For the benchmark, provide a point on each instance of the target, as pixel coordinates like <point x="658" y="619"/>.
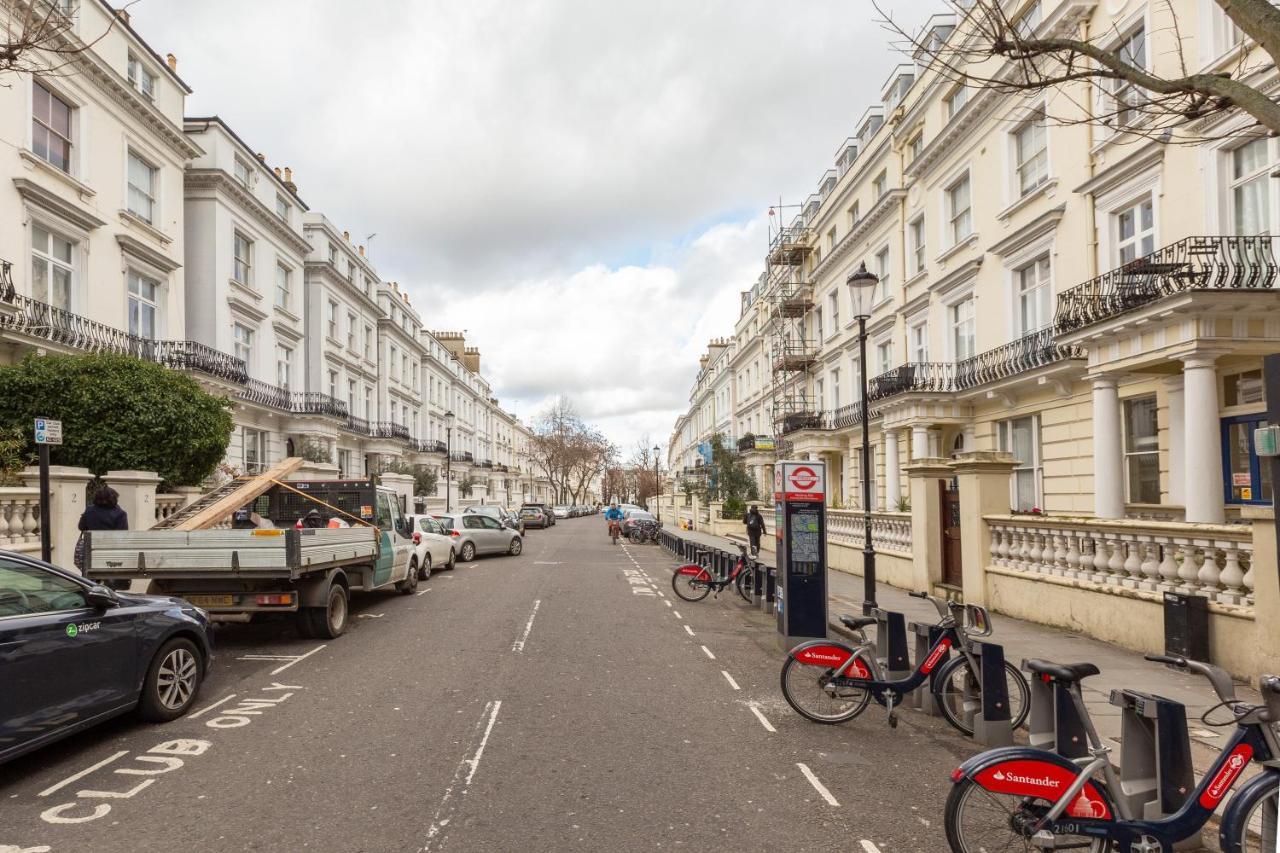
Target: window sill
<point x="286" y="313"/>
<point x="957" y="248"/>
<point x="244" y="289"/>
<point x="135" y="221"/>
<point x="1042" y="190"/>
<point x="48" y="168"/>
<point x="920" y="276"/>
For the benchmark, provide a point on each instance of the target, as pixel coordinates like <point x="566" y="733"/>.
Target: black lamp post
<point x="862" y="285"/>
<point x="448" y="460"/>
<point x="657" y="484"/>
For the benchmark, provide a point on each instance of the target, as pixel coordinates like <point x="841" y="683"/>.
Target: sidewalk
<point x="1119" y="667"/>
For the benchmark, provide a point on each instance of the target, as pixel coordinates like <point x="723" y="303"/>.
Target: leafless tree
<point x="569" y="452"/>
<point x="1101" y="78"/>
<point x="38" y="37"/>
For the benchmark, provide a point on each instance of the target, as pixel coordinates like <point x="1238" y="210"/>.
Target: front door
<point x="1247" y="479"/>
<point x="951" y="571"/>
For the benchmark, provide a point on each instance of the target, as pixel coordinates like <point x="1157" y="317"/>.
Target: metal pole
<point x="448" y="470"/>
<point x="1271" y="387"/>
<point x="868" y="550"/>
<point x="657" y="487"/>
<point x="46" y="534"/>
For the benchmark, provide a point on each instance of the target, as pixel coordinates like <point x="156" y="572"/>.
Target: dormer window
<point x="141" y="78"/>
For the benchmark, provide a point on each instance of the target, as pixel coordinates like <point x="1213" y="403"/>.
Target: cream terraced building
<point x="1091" y="302"/>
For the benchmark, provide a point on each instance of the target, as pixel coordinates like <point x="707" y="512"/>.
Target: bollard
<point x="992" y="723"/>
<point x="891" y="644"/>
<point x="758" y="572"/>
<point x="923" y="698"/>
<point x="770" y="590"/>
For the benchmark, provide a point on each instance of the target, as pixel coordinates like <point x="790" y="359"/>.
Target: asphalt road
<point x="560" y="700"/>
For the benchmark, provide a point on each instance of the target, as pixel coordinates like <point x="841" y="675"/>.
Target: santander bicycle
<point x="830" y="682"/>
<point x="1020" y="798"/>
<point x="695" y="581"/>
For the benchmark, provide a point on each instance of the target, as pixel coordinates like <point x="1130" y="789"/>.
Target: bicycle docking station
<point x="1054" y="722"/>
<point x="800" y="588"/>
<point x="891" y="643"/>
<point x="992" y="722"/>
<point x="922" y="698"/>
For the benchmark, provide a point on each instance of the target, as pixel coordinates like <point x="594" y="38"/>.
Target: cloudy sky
<point x="580" y="185"/>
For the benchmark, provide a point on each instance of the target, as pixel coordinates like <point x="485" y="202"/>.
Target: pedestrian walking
<point x="755" y="528"/>
<point x="103" y="514"/>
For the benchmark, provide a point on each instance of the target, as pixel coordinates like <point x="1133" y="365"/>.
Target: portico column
<point x="1108" y="482"/>
<point x="892" y="471"/>
<point x="1202" y="466"/>
<point x="1177" y="444"/>
<point x="919" y="442"/>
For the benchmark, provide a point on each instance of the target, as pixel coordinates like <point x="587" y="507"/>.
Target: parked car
<point x="434" y="548"/>
<point x="532" y="516"/>
<point x="546" y="510"/>
<point x="560" y="511"/>
<point x="74" y="653"/>
<point x="504" y="517"/>
<point x="474" y="534"/>
<point x="634" y="518"/>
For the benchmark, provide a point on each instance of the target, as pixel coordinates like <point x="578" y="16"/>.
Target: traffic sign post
<point x="47" y="432"/>
<point x="801" y="528"/>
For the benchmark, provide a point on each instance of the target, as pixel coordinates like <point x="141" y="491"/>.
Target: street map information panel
<point x="806" y="544"/>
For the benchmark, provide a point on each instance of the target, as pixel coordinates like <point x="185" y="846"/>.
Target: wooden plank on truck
<point x="249" y="489"/>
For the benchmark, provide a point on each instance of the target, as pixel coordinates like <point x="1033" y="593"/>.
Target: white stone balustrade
<point x="1214" y="560"/>
<point x="890" y="531"/>
<point x="20" y="519"/>
<point x="167" y="505"/>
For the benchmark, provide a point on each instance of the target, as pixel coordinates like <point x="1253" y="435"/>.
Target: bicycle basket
<point x="977" y="621"/>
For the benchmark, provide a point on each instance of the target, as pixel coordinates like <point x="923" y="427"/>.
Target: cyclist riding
<point x="614" y="517"/>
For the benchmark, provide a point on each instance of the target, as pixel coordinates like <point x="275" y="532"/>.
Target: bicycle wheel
<point x="978" y="820"/>
<point x="742" y="583"/>
<point x="805" y="687"/>
<point x="960" y="698"/>
<point x="691" y="587"/>
<point x="1259" y="830"/>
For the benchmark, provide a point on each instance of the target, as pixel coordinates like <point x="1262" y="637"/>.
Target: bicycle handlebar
<point x="1269" y="685"/>
<point x="1218" y="678"/>
<point x="943" y="606"/>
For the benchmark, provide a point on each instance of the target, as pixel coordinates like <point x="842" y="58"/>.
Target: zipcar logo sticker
<point x="804" y="478"/>
<point x="74" y="630"/>
<point x="1231" y="769"/>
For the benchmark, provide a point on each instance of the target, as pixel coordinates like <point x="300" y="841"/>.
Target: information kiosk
<point x="799" y="492"/>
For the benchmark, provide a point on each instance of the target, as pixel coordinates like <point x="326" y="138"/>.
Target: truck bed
<point x="259" y="554"/>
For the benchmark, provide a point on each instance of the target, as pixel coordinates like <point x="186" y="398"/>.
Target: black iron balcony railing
<point x="1038" y="349"/>
<point x="431" y="446"/>
<point x="912" y="376"/>
<point x="461" y="456"/>
<point x="794" y="421"/>
<point x="747" y="443"/>
<point x="357" y="425"/>
<point x="484" y="463"/>
<point x="389" y="429"/>
<point x="302" y="402"/>
<point x="57" y="326"/>
<point x="1196" y="263"/>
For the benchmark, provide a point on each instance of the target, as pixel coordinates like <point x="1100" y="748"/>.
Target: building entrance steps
<point x="1120" y="668"/>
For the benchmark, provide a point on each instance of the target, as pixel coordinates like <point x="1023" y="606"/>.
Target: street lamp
<point x="657" y="487"/>
<point x="449" y="420"/>
<point x="862" y="285"/>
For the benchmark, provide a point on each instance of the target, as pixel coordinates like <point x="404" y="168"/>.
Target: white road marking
<point x="424" y="592"/>
<point x="708" y="652"/>
<point x="689" y="631"/>
<point x="866" y="845"/>
<point x="676" y="612"/>
<point x="370" y="615"/>
<point x="729" y="678"/>
<point x="518" y="645"/>
<point x="83" y="773"/>
<point x="207" y="708"/>
<point x="831" y="801"/>
<point x="668" y="603"/>
<point x="444" y="811"/>
<point x="768" y="726"/>
<point x="281" y="669"/>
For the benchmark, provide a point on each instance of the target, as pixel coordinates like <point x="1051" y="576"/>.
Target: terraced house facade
<point x="130" y="227"/>
<point x="1091" y="301"/>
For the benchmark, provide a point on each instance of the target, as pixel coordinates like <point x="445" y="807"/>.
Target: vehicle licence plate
<point x="211" y="600"/>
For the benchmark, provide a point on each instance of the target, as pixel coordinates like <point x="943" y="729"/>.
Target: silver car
<point x="475" y="533"/>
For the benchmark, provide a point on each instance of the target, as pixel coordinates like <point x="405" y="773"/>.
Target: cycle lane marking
<point x="826" y="795"/>
<point x="768" y="726"/>
<point x="729" y="678"/>
<point x="518" y="645"/>
<point x="444" y="812"/>
<point x="870" y="846"/>
<point x="707" y="652"/>
<point x="676" y="612"/>
<point x="689" y="631"/>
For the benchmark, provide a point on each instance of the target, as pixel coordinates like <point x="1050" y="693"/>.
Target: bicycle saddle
<point x="857" y="623"/>
<point x="1065" y="672"/>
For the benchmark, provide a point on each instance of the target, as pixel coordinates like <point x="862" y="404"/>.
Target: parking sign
<point x="48" y="431"/>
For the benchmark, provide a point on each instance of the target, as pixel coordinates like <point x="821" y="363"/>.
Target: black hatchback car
<point x="74" y="653"/>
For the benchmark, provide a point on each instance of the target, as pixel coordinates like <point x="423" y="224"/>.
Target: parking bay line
<point x="424" y="592"/>
<point x="281" y="669"/>
<point x="831" y="801"/>
<point x="207" y="708"/>
<point x="518" y="645"/>
<point x="83" y="773"/>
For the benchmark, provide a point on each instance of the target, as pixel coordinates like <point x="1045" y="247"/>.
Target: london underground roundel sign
<point x="803" y="482"/>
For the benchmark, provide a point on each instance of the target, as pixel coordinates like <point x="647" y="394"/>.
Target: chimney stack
<point x="277" y="171"/>
<point x="123" y="14"/>
<point x="169" y="58"/>
<point x="288" y="180"/>
<point x="361" y="248"/>
<point x="346" y="235"/>
<point x="262" y="158"/>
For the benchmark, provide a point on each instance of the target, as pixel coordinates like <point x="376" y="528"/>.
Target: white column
<point x="892" y="471"/>
<point x="1177" y="445"/>
<point x="919" y="441"/>
<point x="970" y="438"/>
<point x="1108" y="478"/>
<point x="1202" y="468"/>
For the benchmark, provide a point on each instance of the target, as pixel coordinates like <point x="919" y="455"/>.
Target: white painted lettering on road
<point x="826" y="795"/>
<point x="518" y="645"/>
<point x="243" y="712"/>
<point x="160" y="759"/>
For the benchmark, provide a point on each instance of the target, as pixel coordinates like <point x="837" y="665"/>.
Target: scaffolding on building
<point x="793" y="347"/>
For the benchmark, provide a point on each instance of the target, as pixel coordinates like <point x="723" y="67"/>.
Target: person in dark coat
<point x="103" y="514"/>
<point x="755" y="528"/>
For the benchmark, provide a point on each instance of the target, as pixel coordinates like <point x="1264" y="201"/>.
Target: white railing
<point x="890" y="531"/>
<point x="167" y="505"/>
<point x="1214" y="560"/>
<point x="19" y="519"/>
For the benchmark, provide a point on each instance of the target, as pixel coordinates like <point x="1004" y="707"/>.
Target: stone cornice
<point x="958" y="276"/>
<point x="347" y="287"/>
<point x="1138" y="161"/>
<point x="136" y="248"/>
<point x="220" y="181"/>
<point x="35" y="194"/>
<point x="1033" y="230"/>
<point x="864" y="226"/>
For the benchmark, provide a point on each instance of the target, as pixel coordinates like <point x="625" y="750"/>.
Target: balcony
<point x="389" y="429"/>
<point x="790" y="246"/>
<point x="35" y="319"/>
<point x="795" y="357"/>
<point x="1193" y="264"/>
<point x="431" y="446"/>
<point x="461" y="456"/>
<point x="918" y="376"/>
<point x="484" y="463"/>
<point x="794" y="421"/>
<point x="360" y="426"/>
<point x="302" y="403"/>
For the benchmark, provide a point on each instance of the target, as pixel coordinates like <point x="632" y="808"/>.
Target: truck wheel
<point x="173" y="680"/>
<point x="410" y="583"/>
<point x="330" y="622"/>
